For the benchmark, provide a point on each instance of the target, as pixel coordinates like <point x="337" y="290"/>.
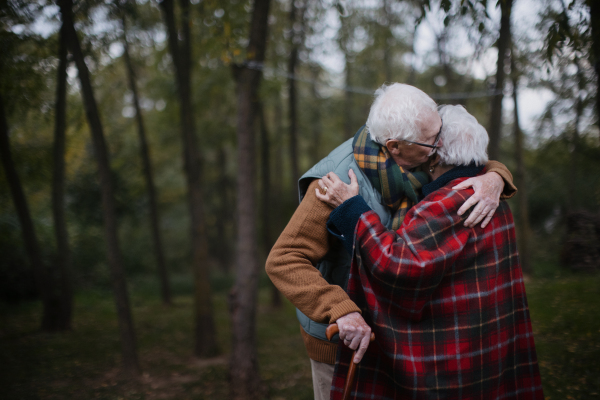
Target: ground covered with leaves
<point x="84" y="363"/>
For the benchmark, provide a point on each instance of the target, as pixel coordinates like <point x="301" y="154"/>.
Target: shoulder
<point x="340" y="158"/>
<point x="447" y="196"/>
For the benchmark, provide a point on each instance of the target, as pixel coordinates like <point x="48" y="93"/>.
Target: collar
<point x="461" y="171"/>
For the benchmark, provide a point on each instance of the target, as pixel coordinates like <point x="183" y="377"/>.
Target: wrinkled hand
<point x="355" y="333"/>
<point x="488" y="189"/>
<point x="334" y="192"/>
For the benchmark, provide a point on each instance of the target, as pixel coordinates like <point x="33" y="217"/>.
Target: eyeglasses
<point x="431" y="146"/>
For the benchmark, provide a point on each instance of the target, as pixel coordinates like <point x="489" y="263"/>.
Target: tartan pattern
<point x="447" y="305"/>
<point x="398" y="188"/>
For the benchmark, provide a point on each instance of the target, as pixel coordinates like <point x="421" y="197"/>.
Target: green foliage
<point x="372" y="41"/>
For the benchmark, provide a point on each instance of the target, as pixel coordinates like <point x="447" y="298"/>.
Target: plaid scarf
<point x="399" y="188"/>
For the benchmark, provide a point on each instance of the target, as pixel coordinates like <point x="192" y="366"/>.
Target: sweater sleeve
<point x="291" y="263"/>
<point x="509" y="188"/>
<point x="343" y="219"/>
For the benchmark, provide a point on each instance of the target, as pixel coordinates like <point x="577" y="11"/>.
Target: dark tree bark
<point x="317" y="128"/>
<point x="444" y="58"/>
<point x="243" y="297"/>
<point x="503" y="44"/>
<point x="222" y="251"/>
<point x="575" y="150"/>
<point x="520" y="179"/>
<point x="180" y="49"/>
<point x="279" y="191"/>
<point x="344" y="41"/>
<point x="412" y="74"/>
<point x="594" y="6"/>
<point x="63" y="251"/>
<point x="51" y="312"/>
<point x="148" y="175"/>
<point x="297" y="39"/>
<point x="349" y="126"/>
<point x="387" y="36"/>
<point x="267" y="201"/>
<point x="115" y="258"/>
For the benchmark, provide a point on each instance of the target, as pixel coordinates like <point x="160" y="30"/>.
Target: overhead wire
<point x="362" y="90"/>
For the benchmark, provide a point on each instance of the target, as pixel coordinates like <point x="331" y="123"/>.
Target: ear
<point x="393" y="146"/>
<point x="434" y="160"/>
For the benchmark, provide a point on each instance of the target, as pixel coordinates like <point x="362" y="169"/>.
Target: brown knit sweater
<point x="302" y="244"/>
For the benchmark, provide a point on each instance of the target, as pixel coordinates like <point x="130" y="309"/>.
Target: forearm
<point x="290" y="264"/>
<point x="509" y="188"/>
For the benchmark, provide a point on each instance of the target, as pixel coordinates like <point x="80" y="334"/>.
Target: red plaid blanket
<point x="447" y="305"/>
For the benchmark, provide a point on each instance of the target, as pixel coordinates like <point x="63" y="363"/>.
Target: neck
<point x="439" y="171"/>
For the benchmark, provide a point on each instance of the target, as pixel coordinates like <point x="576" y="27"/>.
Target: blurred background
<point x="150" y="152"/>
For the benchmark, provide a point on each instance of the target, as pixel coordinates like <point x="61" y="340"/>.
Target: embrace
<point x="401" y="231"/>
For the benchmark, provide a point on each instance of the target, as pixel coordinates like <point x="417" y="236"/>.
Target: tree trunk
<point x="594" y="6"/>
<point x="520" y="179"/>
<point x="412" y="75"/>
<point x="205" y="333"/>
<point x="503" y="43"/>
<point x="51" y="310"/>
<point x="349" y="126"/>
<point x="316" y="116"/>
<point x="63" y="251"/>
<point x="243" y="297"/>
<point x="223" y="250"/>
<point x="387" y="36"/>
<point x="279" y="190"/>
<point x="148" y="175"/>
<point x="267" y="203"/>
<point x="574" y="177"/>
<point x="296" y="16"/>
<point x="115" y="259"/>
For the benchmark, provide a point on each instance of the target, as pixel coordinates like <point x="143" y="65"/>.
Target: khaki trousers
<point x="322" y="376"/>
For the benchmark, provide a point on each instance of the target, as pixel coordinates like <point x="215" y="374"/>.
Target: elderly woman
<point x="446" y="302"/>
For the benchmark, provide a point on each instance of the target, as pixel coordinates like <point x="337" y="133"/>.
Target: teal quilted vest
<point x="335" y="266"/>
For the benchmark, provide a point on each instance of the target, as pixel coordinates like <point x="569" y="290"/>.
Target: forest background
<point x="150" y="152"/>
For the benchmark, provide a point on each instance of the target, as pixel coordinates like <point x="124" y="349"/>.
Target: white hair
<point x="464" y="140"/>
<point x="397" y="111"/>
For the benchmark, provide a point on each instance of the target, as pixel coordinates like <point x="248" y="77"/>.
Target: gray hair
<point x="464" y="140"/>
<point x="396" y="111"/>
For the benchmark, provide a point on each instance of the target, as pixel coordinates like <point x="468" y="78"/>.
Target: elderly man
<point x="384" y="168"/>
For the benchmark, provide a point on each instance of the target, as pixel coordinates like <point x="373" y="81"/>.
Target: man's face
<point x="410" y="155"/>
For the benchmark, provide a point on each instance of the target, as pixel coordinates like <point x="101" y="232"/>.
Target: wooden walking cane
<point x="330" y="332"/>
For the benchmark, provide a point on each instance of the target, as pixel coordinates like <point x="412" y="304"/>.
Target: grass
<point x="565" y="315"/>
<point x="84" y="363"/>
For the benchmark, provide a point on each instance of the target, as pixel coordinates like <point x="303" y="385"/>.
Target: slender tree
<point x="243" y="297"/>
<point x="386" y="14"/>
<point x="63" y="251"/>
<point x="594" y="7"/>
<point x="44" y="284"/>
<point x="345" y="41"/>
<point x="316" y="124"/>
<point x="180" y="49"/>
<point x="576" y="153"/>
<point x="503" y="45"/>
<point x="520" y="176"/>
<point x="267" y="200"/>
<point x="115" y="258"/>
<point x="163" y="276"/>
<point x="297" y="19"/>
